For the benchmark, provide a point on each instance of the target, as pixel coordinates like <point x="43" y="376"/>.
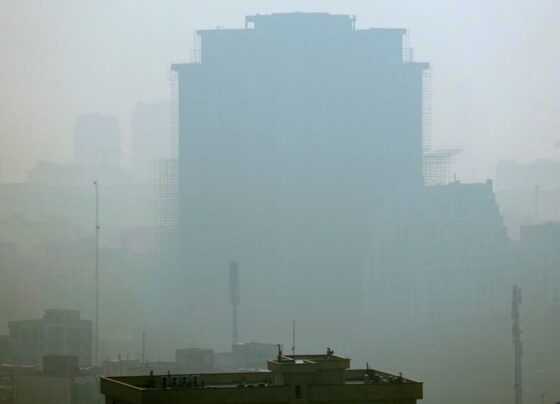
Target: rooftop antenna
<point x="143" y="346"/>
<point x="517" y="346"/>
<point x="97" y="227"/>
<point x="234" y="296"/>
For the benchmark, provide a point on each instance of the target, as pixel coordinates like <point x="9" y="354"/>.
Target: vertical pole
<point x="96" y="357"/>
<point x="235" y="325"/>
<point x="294" y="339"/>
<point x="143" y="346"/>
<point x="536" y="204"/>
<point x="234" y="297"/>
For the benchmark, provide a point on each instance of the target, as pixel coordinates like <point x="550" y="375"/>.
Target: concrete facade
<point x="291" y="131"/>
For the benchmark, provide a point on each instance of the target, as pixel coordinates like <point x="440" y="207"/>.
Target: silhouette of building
<point x="301" y="378"/>
<point x="150" y="138"/>
<point x="538" y="264"/>
<point x="194" y="360"/>
<point x="438" y="255"/>
<point x="97" y="142"/>
<point x="59" y="332"/>
<point x="47" y="173"/>
<point x="291" y="132"/>
<point x="59" y="382"/>
<point x="136" y="367"/>
<point x="252" y="355"/>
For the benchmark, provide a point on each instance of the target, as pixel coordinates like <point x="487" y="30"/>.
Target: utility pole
<point x="143" y="346"/>
<point x="517" y="346"/>
<point x="294" y="339"/>
<point x="96" y="357"/>
<point x="537" y="189"/>
<point x="234" y="297"/>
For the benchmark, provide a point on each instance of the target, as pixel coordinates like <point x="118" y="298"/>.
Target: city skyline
<point x="468" y="46"/>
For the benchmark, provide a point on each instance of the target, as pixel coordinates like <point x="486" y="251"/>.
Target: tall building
<point x="291" y="132"/>
<point x="97" y="142"/>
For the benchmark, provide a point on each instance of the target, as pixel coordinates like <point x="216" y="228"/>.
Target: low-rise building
<point x="61" y="381"/>
<point x="194" y="360"/>
<point x="252" y="355"/>
<point x="59" y="332"/>
<point x="300" y="378"/>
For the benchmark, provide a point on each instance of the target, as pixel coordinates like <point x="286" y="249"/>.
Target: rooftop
<point x="295" y="366"/>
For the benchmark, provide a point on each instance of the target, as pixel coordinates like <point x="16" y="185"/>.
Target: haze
<point x="381" y="178"/>
<point x="59" y="59"/>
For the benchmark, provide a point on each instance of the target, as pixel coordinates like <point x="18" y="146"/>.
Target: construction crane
<point x="517" y="346"/>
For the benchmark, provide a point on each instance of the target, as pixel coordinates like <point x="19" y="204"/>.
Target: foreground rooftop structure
<point x="300" y="378"/>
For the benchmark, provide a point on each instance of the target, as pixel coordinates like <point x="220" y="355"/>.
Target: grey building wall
<point x="290" y="133"/>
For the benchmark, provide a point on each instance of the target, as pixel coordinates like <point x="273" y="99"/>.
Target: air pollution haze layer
<point x="381" y="176"/>
<point x="495" y="86"/>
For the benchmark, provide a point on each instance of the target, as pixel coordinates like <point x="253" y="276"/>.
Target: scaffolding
<point x="174" y="112"/>
<point x="407" y="53"/>
<point x="437" y="166"/>
<point x="167" y="194"/>
<point x="167" y="171"/>
<point x="195" y="55"/>
<point x="426" y="111"/>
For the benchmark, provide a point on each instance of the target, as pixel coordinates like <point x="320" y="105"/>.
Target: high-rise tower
<point x="292" y="131"/>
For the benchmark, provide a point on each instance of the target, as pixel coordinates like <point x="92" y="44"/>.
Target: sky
<point x="495" y="64"/>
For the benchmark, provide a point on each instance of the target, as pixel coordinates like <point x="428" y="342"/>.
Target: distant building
<point x="291" y="132"/>
<point x="439" y="254"/>
<point x="59" y="332"/>
<point x="44" y="172"/>
<point x="538" y="263"/>
<point x="136" y="367"/>
<point x="72" y="175"/>
<point x="194" y="360"/>
<point x="150" y="138"/>
<point x="59" y="382"/>
<point x="97" y="142"/>
<point x="252" y="355"/>
<point x="528" y="193"/>
<point x="302" y="379"/>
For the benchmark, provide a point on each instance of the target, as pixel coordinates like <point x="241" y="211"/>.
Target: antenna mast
<point x="96" y="274"/>
<point x="517" y="346"/>
<point x="234" y="297"/>
<point x="537" y="204"/>
<point x="294" y="339"/>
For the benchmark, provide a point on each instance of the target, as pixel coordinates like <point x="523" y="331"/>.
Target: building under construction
<point x="290" y="129"/>
<point x="299" y="135"/>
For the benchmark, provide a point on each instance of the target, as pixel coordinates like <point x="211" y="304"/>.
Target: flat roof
<point x="242" y="379"/>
